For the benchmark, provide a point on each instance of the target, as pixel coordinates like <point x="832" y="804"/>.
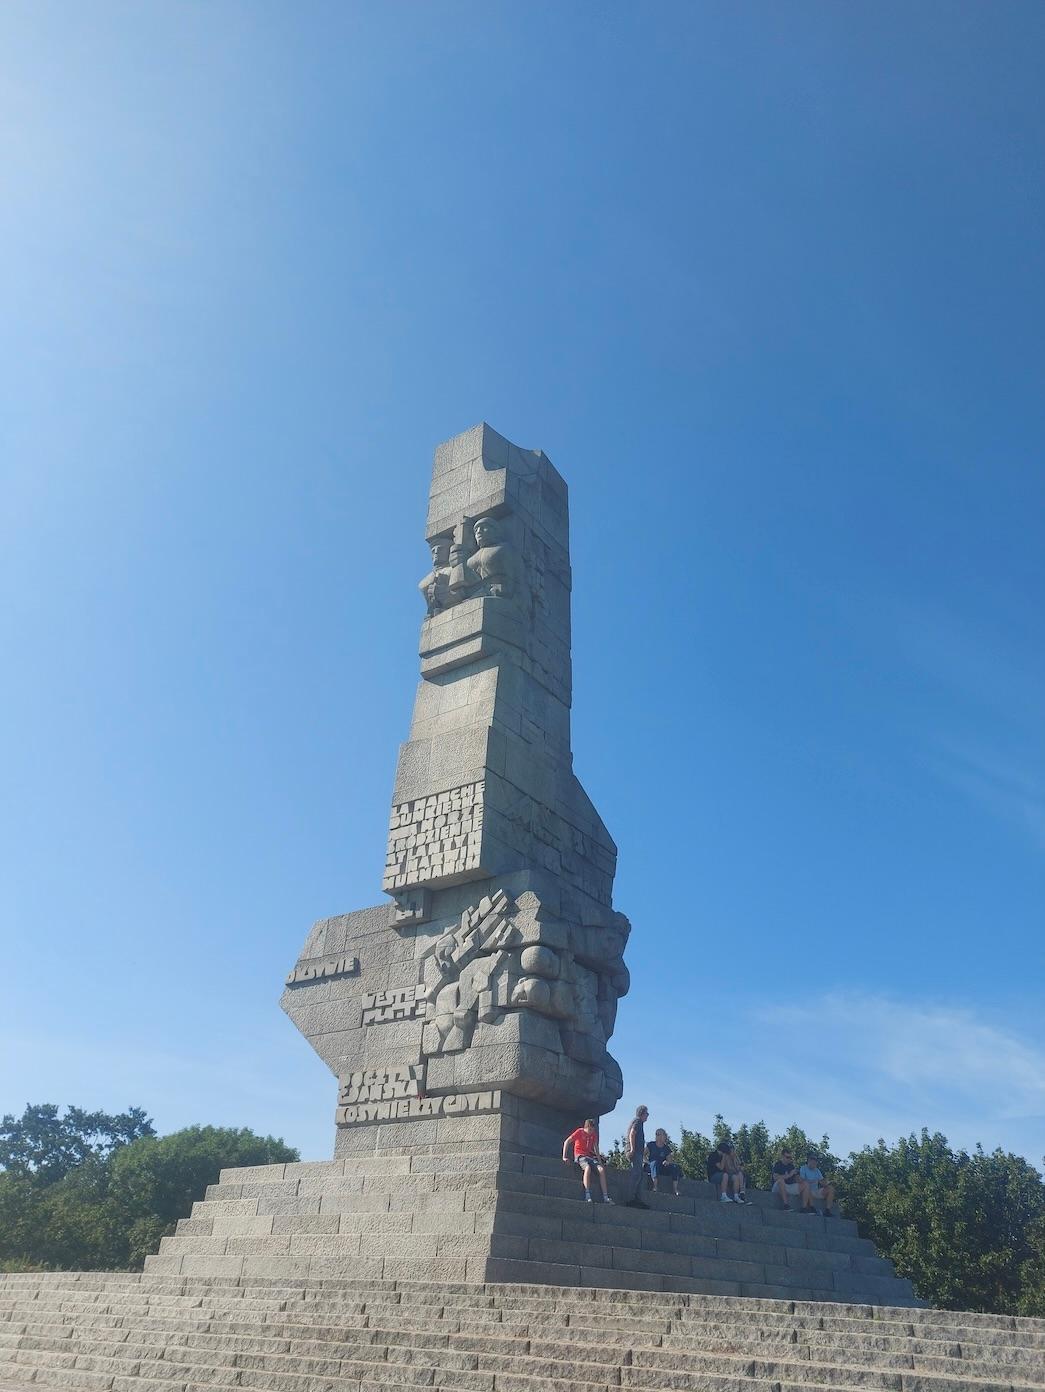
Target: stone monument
<point x="474" y="1005"/>
<point x="467" y="1016"/>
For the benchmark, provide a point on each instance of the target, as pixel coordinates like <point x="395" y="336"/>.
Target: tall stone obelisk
<point x="467" y="1016"/>
<point x="475" y="1006"/>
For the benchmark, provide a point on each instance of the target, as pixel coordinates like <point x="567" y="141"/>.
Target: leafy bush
<point x="88" y="1192"/>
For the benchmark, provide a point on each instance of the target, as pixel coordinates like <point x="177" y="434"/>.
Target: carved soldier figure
<point x="436" y="585"/>
<point x="491" y="570"/>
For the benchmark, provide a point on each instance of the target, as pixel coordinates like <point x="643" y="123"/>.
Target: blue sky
<point x="766" y="282"/>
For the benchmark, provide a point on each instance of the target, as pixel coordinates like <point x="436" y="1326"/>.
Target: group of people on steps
<point x="804" y="1182"/>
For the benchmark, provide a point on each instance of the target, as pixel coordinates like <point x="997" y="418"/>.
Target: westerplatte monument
<point x="465" y="1020"/>
<point x="466" y="1017"/>
<point x="484" y="986"/>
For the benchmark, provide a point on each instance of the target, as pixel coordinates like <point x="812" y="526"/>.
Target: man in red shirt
<point x="585" y="1142"/>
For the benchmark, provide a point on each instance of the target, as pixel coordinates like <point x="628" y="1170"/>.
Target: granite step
<point x="90" y="1288"/>
<point x="493" y="1338"/>
<point x="558" y="1182"/>
<point x="605" y="1342"/>
<point x="174" y="1364"/>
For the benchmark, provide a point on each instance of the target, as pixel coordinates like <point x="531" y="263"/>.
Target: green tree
<point x="1032" y="1273"/>
<point x="155" y="1181"/>
<point x="966" y="1228"/>
<point x="47" y="1146"/>
<point x="755" y="1147"/>
<point x="109" y="1210"/>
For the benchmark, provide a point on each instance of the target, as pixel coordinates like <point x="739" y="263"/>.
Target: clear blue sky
<point x="766" y="282"/>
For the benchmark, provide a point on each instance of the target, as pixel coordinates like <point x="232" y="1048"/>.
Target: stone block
<point x="662" y="1263"/>
<point x="258" y="1246"/>
<point x="240" y="1225"/>
<point x="245" y="1174"/>
<point x="282" y="1206"/>
<point x="503" y="1270"/>
<point x="721" y="1269"/>
<point x="305" y="1223"/>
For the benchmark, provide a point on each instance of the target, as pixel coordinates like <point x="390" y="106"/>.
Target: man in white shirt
<point x="815" y="1187"/>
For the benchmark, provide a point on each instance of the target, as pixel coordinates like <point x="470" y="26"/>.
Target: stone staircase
<point x="508" y="1216"/>
<point x="125" y="1333"/>
<point x="489" y="1273"/>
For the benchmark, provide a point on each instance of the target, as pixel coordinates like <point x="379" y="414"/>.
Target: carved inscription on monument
<point x="408" y="1108"/>
<point x="381" y="1084"/>
<point x="322" y="971"/>
<point x="382" y="1007"/>
<point x="435" y="837"/>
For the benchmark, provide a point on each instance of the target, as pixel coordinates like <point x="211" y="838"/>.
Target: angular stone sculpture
<point x="467" y="1016"/>
<point x="490" y="982"/>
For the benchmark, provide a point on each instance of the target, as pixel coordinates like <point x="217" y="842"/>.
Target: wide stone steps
<point x="356" y="1334"/>
<point x="183" y="1358"/>
<point x="437" y="1217"/>
<point x="135" y="1334"/>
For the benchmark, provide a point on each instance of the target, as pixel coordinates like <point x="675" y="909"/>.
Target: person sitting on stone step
<point x="724" y="1168"/>
<point x="786" y="1181"/>
<point x="585" y="1142"/>
<point x="816" y="1188"/>
<point x="658" y="1152"/>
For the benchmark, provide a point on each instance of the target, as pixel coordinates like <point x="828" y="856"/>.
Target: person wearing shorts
<point x="732" y="1173"/>
<point x="786" y="1179"/>
<point x="585" y="1142"/>
<point x="661" y="1163"/>
<point x="816" y="1188"/>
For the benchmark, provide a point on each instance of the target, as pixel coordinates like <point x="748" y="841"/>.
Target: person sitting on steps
<point x="661" y="1163"/>
<point x="585" y="1142"/>
<point x="786" y="1180"/>
<point x="812" y="1177"/>
<point x="724" y="1168"/>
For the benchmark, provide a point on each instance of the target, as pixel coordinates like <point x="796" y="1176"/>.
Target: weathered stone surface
<point x="497" y="967"/>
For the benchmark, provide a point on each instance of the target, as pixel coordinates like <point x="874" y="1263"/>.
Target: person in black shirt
<point x="786" y="1178"/>
<point x="661" y="1163"/>
<point x="724" y="1170"/>
<point x="636" y="1143"/>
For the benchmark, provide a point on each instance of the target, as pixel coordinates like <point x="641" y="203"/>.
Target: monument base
<point x="484" y="1211"/>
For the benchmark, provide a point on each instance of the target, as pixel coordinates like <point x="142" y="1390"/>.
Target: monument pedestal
<point x="481" y="1213"/>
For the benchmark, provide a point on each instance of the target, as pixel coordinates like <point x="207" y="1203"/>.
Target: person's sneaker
<point x="587" y="1198"/>
<point x="828" y="1213"/>
<point x="606" y="1198"/>
<point x="725" y="1198"/>
<point x="739" y="1198"/>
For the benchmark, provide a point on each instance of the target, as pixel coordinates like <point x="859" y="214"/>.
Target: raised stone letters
<point x="381" y="1084"/>
<point x="409" y="1108"/>
<point x="322" y="971"/>
<point x="435" y="837"/>
<point x="406" y="1003"/>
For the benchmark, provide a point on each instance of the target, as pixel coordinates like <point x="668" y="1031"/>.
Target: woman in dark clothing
<point x="658" y="1152"/>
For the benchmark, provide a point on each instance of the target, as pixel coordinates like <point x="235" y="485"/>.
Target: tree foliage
<point x="47" y="1146"/>
<point x="966" y="1228"/>
<point x="87" y="1191"/>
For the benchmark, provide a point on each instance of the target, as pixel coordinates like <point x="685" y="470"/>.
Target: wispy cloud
<point x="926" y="1052"/>
<point x="860" y="1066"/>
<point x="1006" y="786"/>
<point x="987" y="737"/>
